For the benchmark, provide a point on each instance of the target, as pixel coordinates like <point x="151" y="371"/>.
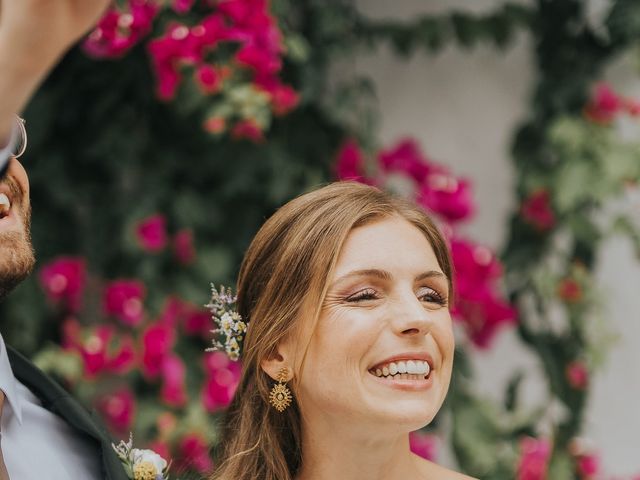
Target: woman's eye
<point x="431" y="296"/>
<point x="368" y="294"/>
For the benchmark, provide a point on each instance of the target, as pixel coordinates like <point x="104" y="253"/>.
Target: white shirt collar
<point x="8" y="382"/>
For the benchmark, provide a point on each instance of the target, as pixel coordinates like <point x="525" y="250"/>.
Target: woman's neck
<point x="331" y="451"/>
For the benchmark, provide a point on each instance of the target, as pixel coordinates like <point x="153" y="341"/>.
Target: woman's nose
<point x="410" y="318"/>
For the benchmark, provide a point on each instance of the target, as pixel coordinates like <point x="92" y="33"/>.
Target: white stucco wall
<point x="463" y="107"/>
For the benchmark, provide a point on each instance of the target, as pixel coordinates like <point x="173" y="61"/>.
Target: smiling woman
<point x="345" y="291"/>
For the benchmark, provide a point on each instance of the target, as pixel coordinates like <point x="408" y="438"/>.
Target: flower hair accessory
<point x="141" y="464"/>
<point x="231" y="328"/>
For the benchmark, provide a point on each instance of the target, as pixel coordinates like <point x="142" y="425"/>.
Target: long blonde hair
<point x="288" y="263"/>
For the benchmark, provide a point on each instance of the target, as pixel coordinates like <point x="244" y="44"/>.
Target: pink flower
<point x="118" y="31"/>
<point x="447" y="196"/>
<point x="405" y="157"/>
<point x="604" y="105"/>
<point x="118" y="409"/>
<point x="172" y="312"/>
<point x="478" y="305"/>
<point x="350" y="162"/>
<point x="183" y="247"/>
<point x="182" y="6"/>
<point x="194" y="453"/>
<point x="124" y="300"/>
<point x="482" y="314"/>
<point x="260" y="60"/>
<point x="577" y="375"/>
<point x="247" y="129"/>
<point x="534" y="459"/>
<point x="208" y="79"/>
<point x="423" y="445"/>
<point x="633" y="107"/>
<point x="215" y="125"/>
<point x="283" y="97"/>
<point x="63" y="281"/>
<point x="569" y="290"/>
<point x="537" y="211"/>
<point x="99" y="348"/>
<point x="474" y="263"/>
<point x="588" y="466"/>
<point x="157" y="342"/>
<point x="151" y="233"/>
<point x="223" y="379"/>
<point x="173" y="392"/>
<point x="197" y="321"/>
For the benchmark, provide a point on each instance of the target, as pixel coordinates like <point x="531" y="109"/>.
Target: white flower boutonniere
<point x="141" y="464"/>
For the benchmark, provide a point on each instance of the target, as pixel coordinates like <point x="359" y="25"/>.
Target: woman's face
<point x="382" y="350"/>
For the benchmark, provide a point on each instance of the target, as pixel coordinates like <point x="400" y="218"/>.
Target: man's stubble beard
<point x="17" y="257"/>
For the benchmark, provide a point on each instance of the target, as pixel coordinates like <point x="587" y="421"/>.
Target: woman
<point x="346" y="293"/>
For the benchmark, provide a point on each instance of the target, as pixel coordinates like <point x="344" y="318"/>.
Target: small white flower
<point x="144" y="455"/>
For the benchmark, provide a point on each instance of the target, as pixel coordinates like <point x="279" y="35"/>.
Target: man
<point x="44" y="433"/>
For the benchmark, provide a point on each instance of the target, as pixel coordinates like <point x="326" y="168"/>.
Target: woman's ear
<point x="280" y="358"/>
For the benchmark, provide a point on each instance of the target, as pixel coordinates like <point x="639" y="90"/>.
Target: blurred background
<point x="163" y="141"/>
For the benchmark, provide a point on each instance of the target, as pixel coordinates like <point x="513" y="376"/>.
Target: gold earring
<point x="280" y="396"/>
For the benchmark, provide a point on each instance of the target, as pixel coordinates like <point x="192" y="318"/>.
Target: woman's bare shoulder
<point x="433" y="470"/>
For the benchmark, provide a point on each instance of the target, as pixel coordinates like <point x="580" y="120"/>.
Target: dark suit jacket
<point x="57" y="400"/>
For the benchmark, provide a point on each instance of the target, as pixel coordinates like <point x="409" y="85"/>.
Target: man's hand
<point x="34" y="34"/>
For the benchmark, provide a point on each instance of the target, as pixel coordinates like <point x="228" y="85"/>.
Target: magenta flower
<point x="182" y="6"/>
<point x="536" y="210"/>
<point x="588" y="466"/>
<point x="194" y="453"/>
<point x="534" y="459"/>
<point x="604" y="105"/>
<point x="157" y="342"/>
<point x="118" y="31"/>
<point x="283" y="97"/>
<point x="99" y="348"/>
<point x="247" y="129"/>
<point x="447" y="196"/>
<point x="208" y="79"/>
<point x="223" y="378"/>
<point x="577" y="375"/>
<point x="215" y="125"/>
<point x="173" y="391"/>
<point x="569" y="290"/>
<point x="183" y="247"/>
<point x="423" y="445"/>
<point x="118" y="409"/>
<point x="172" y="312"/>
<point x="123" y="299"/>
<point x="260" y="60"/>
<point x="151" y="233"/>
<point x="478" y="305"/>
<point x="405" y="157"/>
<point x="482" y="313"/>
<point x="197" y="321"/>
<point x="350" y="163"/>
<point x="474" y="263"/>
<point x="63" y="281"/>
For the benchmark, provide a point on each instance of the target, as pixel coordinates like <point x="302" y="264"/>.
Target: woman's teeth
<point x="404" y="370"/>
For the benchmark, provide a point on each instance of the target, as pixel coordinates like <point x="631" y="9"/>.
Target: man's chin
<point x="18" y="260"/>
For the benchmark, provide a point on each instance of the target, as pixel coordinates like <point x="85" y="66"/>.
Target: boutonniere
<point x="141" y="464"/>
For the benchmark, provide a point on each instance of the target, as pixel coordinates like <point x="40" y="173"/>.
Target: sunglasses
<point x="21" y="145"/>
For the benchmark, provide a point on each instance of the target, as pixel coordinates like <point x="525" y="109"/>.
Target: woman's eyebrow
<point x="368" y="272"/>
<point x="384" y="275"/>
<point x="431" y="274"/>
